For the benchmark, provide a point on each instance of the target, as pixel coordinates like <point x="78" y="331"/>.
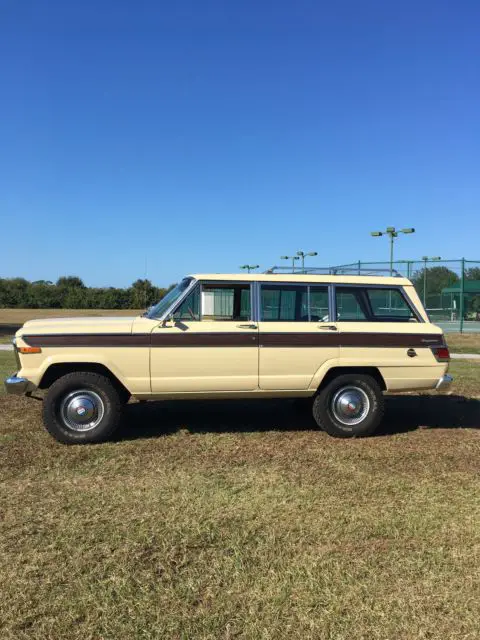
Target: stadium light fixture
<point x="292" y="258"/>
<point x="392" y="233"/>
<point x="249" y="267"/>
<point x="303" y="255"/>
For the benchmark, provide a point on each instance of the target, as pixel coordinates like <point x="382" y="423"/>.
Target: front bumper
<point x="444" y="382"/>
<point x="18" y="386"/>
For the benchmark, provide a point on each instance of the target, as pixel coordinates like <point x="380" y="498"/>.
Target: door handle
<point x="327" y="327"/>
<point x="247" y="326"/>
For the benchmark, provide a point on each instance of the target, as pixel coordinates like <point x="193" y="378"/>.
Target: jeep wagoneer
<point x="339" y="340"/>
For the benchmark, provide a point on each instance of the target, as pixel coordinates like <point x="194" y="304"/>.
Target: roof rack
<point x="347" y="270"/>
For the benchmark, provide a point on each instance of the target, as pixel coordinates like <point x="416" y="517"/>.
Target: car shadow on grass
<point x="403" y="414"/>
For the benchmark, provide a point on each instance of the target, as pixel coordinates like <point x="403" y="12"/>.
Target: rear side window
<point x="357" y="304"/>
<point x="288" y="303"/>
<point x="319" y="304"/>
<point x="294" y="303"/>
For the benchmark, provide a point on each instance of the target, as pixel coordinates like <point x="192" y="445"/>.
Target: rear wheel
<point x="350" y="405"/>
<point x="82" y="407"/>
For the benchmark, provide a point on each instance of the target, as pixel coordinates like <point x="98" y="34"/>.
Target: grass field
<point x="240" y="520"/>
<point x="15" y="317"/>
<point x="19" y="316"/>
<point x="463" y="342"/>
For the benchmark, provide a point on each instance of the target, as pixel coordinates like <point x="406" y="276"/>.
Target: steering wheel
<point x="191" y="313"/>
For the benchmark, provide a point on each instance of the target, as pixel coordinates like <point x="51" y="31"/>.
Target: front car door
<point x="210" y="344"/>
<point x="297" y="337"/>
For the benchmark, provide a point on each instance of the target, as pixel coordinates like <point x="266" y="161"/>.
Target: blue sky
<point x="204" y="135"/>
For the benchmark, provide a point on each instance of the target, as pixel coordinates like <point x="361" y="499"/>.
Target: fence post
<point x="462" y="294"/>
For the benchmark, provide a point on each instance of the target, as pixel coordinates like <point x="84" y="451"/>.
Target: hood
<point x="82" y="324"/>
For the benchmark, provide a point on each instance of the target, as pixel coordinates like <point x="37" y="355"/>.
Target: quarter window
<point x="189" y="309"/>
<point x="357" y="304"/>
<point x="350" y="305"/>
<point x="389" y="304"/>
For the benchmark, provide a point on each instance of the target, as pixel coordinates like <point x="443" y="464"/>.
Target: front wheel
<point x="82" y="407"/>
<point x="349" y="405"/>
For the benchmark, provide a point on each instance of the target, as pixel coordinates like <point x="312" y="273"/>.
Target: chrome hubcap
<point x="82" y="410"/>
<point x="350" y="405"/>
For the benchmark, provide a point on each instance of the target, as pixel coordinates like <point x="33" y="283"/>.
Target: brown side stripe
<point x="88" y="340"/>
<point x="350" y="340"/>
<point x="235" y="339"/>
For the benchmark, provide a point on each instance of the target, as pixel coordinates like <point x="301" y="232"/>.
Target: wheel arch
<point x="59" y="369"/>
<point x="335" y="371"/>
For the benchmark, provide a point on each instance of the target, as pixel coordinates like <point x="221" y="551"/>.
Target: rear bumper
<point x="18" y="386"/>
<point x="444" y="382"/>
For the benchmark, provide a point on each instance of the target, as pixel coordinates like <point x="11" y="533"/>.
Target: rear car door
<point x="296" y="335"/>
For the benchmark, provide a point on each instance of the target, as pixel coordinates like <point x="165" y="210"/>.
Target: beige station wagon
<point x="338" y="342"/>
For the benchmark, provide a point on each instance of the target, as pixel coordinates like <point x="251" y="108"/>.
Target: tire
<point x="82" y="407"/>
<point x="349" y="406"/>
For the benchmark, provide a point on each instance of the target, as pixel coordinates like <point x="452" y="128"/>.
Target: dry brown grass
<point x="240" y="520"/>
<point x="11" y="319"/>
<point x="463" y="342"/>
<point x="19" y="316"/>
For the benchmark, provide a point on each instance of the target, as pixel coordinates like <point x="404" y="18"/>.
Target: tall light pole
<point x="425" y="260"/>
<point x="292" y="258"/>
<point x="303" y="255"/>
<point x="392" y="233"/>
<point x="249" y="267"/>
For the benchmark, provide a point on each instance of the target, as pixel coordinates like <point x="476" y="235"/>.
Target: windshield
<point x="172" y="296"/>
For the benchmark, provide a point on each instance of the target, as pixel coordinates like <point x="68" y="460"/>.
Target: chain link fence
<point x="449" y="289"/>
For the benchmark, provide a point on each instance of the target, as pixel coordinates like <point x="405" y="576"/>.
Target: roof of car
<point x="301" y="277"/>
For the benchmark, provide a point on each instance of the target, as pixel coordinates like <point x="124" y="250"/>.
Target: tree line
<point x="70" y="292"/>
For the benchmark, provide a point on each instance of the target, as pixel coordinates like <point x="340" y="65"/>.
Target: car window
<point x="189" y="309"/>
<point x="375" y="304"/>
<point x="389" y="304"/>
<point x="319" y="304"/>
<point x="226" y="302"/>
<point x="349" y="305"/>
<point x="287" y="303"/>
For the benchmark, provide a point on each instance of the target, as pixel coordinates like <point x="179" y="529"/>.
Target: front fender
<point x="129" y="366"/>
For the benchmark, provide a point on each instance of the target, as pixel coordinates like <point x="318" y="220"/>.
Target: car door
<point x="296" y="336"/>
<point x="210" y="344"/>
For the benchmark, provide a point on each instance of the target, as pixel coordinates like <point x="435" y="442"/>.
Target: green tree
<point x="437" y="278"/>
<point x="15" y="292"/>
<point x="142" y="294"/>
<point x="70" y="282"/>
<point x="473" y="273"/>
